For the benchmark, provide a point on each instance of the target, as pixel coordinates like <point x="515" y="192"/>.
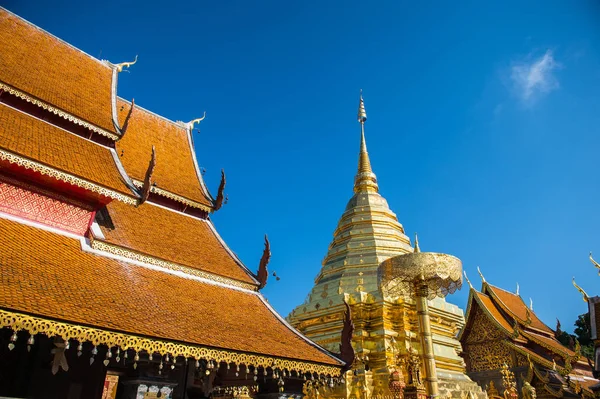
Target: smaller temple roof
<point x="513" y="304"/>
<point x="176" y="171"/>
<point x="175" y="237"/>
<point x="37" y="145"/>
<point x="55" y="277"/>
<point x="51" y="73"/>
<point x="524" y="331"/>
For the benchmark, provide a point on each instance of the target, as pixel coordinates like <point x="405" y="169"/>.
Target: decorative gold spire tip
<point x="417" y="248"/>
<point x="362" y="113"/>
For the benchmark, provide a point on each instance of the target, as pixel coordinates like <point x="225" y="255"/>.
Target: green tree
<point x="584" y="335"/>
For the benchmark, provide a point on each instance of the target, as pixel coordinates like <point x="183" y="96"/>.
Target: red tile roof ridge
<point x="547" y="331"/>
<point x="178" y="124"/>
<point x="298" y="333"/>
<point x="45" y="32"/>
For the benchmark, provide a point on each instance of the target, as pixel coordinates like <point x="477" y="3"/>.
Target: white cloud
<point x="535" y="77"/>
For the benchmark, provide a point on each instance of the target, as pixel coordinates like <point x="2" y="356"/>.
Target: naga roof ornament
<point x="581" y="291"/>
<point x="218" y="203"/>
<point x="119" y="67"/>
<point x="263" y="273"/>
<point x="190" y="124"/>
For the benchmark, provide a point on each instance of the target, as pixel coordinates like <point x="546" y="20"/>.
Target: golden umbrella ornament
<point x="424" y="275"/>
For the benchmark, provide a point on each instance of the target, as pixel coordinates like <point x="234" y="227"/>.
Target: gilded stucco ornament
<point x="65" y="177"/>
<point x="67" y="331"/>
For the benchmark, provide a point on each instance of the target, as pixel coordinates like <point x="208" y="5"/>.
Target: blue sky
<point x="483" y="124"/>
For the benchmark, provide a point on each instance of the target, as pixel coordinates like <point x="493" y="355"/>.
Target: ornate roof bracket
<point x="218" y="203"/>
<point x="263" y="274"/>
<point x="145" y="190"/>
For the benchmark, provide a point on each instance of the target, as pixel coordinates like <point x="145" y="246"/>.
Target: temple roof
<point x="30" y="142"/>
<point x="175" y="237"/>
<point x="48" y="275"/>
<point x="176" y="171"/>
<point x="525" y="335"/>
<point x="514" y="305"/>
<point x="51" y="72"/>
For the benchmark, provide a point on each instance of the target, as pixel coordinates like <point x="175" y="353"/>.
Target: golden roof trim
<point x="56" y="111"/>
<point x="137" y="256"/>
<point x="65" y="177"/>
<point x="37" y="325"/>
<point x="173" y="196"/>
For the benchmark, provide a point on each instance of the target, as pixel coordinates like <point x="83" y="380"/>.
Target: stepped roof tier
<point x="176" y="175"/>
<point x="109" y="250"/>
<point x="41" y="148"/>
<point x="172" y="237"/>
<point x="56" y="76"/>
<point x="126" y="299"/>
<point x="501" y="329"/>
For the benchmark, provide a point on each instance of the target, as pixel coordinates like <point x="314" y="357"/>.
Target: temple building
<point x="386" y="327"/>
<point x="114" y="282"/>
<point x="503" y="336"/>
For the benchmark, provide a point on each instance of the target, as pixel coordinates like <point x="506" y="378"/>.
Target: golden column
<point x="423" y="276"/>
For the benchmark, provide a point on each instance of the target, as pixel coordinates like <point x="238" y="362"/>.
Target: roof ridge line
<point x="54" y="36"/>
<point x="177" y="124"/>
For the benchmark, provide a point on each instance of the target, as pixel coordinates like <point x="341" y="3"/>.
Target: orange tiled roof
<point x="172" y="236"/>
<point x="58" y="74"/>
<point x="35" y="139"/>
<point x="48" y="275"/>
<point x="550" y="343"/>
<point x="514" y="305"/>
<point x="490" y="309"/>
<point x="175" y="171"/>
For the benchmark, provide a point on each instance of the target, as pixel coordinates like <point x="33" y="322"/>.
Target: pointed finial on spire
<point x="362" y="113"/>
<point x="517" y="293"/>
<point x="365" y="179"/>
<point x="417" y="248"/>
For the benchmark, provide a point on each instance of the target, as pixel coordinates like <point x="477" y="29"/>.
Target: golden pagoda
<point x="386" y="327"/>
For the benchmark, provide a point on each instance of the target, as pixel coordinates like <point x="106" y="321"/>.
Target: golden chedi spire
<point x="365" y="179"/>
